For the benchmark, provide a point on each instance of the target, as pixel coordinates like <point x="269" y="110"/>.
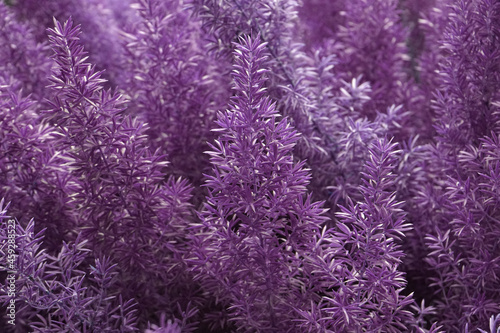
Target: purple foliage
<point x="257" y="221"/>
<point x="52" y="292"/>
<point x="126" y="208"/>
<point x="172" y="85"/>
<point x="250" y="166"/>
<point x="355" y="266"/>
<point x="31" y="171"/>
<point x="469" y="69"/>
<point x="102" y="19"/>
<point x="24" y="62"/>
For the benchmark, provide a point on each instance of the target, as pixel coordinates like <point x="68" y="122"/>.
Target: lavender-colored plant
<point x="257" y="222"/>
<point x="310" y="220"/>
<point x="354" y="269"/>
<point x="102" y="20"/>
<point x="172" y="85"/>
<point x="456" y="198"/>
<point x="33" y="173"/>
<point x="52" y="293"/>
<point x="22" y="58"/>
<point x="125" y="208"/>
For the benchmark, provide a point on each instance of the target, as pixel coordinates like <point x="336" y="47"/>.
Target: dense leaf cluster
<point x="250" y="166"/>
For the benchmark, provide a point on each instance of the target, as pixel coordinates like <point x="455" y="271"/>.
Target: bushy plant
<point x="250" y="166"/>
